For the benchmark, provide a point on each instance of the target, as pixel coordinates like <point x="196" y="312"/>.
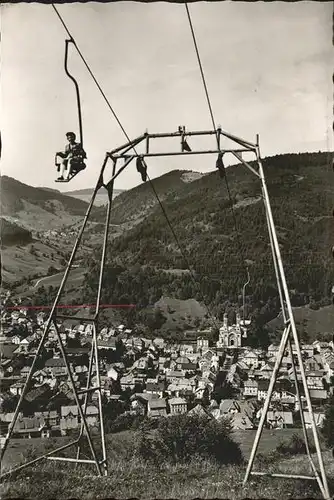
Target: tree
<point x="9" y="404"/>
<point x="328" y="425"/>
<point x="224" y="392"/>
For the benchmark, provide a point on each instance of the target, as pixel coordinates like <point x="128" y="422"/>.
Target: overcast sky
<point x="268" y="68"/>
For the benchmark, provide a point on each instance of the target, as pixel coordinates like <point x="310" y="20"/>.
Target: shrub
<point x="125" y="422"/>
<point x="180" y="438"/>
<point x="294" y="446"/>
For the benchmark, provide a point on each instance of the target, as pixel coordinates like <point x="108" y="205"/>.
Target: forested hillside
<point x="301" y="193"/>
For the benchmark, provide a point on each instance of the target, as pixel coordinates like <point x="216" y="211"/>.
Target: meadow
<point x="130" y="477"/>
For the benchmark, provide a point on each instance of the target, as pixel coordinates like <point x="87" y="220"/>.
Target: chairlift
<point x="220" y="165"/>
<point x="75" y="163"/>
<point x="141" y="168"/>
<point x="184" y="144"/>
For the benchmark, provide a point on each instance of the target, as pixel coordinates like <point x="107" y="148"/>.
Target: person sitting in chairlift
<point x="73" y="158"/>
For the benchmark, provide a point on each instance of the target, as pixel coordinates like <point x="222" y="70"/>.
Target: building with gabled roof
<point x="157" y="408"/>
<point x="177" y="405"/>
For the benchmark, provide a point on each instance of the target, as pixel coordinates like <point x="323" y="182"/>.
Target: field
<point x="75" y="279"/>
<point x="128" y="477"/>
<point x="100" y="199"/>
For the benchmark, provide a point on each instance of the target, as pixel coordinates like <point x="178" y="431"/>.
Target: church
<point x="231" y="336"/>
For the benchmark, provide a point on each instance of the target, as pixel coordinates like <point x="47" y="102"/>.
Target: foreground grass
<point x="129" y="477"/>
<point x="133" y="478"/>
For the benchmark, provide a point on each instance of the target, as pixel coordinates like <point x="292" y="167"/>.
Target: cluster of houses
<point x="152" y="377"/>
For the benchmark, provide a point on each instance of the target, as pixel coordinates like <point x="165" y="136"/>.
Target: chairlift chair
<point x="77" y="162"/>
<point x="77" y="165"/>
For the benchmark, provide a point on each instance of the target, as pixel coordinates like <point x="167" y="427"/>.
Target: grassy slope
<point x="316" y="323"/>
<point x="37" y="210"/>
<point x="13" y="193"/>
<point x="139" y="201"/>
<point x="130" y="478"/>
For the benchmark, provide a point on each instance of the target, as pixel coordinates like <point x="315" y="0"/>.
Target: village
<point x="152" y="377"/>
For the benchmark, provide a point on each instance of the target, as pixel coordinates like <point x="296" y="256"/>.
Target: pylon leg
<point x="306" y="439"/>
<point x="51" y="319"/>
<point x="279" y="358"/>
<point x="285" y="315"/>
<point x="290" y="323"/>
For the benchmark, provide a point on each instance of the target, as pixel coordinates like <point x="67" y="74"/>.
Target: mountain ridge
<point x="218" y="241"/>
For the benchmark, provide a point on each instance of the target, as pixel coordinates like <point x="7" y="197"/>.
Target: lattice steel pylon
<point x="123" y="152"/>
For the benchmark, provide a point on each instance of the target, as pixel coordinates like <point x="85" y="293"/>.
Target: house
<point x="180" y="389"/>
<point x="184" y="364"/>
<point x="157" y="408"/>
<point x="320" y="346"/>
<point x="177" y="406"/>
<point x="329" y="368"/>
<point x="250" y="388"/>
<point x="155" y="388"/>
<point x="141" y="364"/>
<point x="266" y="370"/>
<point x="16" y="340"/>
<point x="199" y="411"/>
<point x="16" y="389"/>
<point x="112" y="373"/>
<point x="139" y="402"/>
<point x="56" y="366"/>
<point x="25" y="371"/>
<point x="227" y="407"/>
<point x="186" y="349"/>
<point x="279" y="419"/>
<point x="51" y="418"/>
<point x="5" y="420"/>
<point x="29" y="427"/>
<point x="70" y="417"/>
<point x="251" y="360"/>
<point x="318" y="394"/>
<point x="312" y="364"/>
<point x="318" y="418"/>
<point x="262" y="389"/>
<point x="40" y="318"/>
<point x="273" y="350"/>
<point x="41" y="394"/>
<point x="202" y="343"/>
<point x="128" y="382"/>
<point x="241" y="421"/>
<point x="135" y="342"/>
<point x="109" y="344"/>
<point x="174" y="376"/>
<point x="7" y="351"/>
<point x="314" y="379"/>
<point x="308" y="350"/>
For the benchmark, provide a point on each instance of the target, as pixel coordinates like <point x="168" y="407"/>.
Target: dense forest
<point x="13" y="234"/>
<point x="215" y="239"/>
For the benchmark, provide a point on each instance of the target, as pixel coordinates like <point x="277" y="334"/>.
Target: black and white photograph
<point x="167" y="250"/>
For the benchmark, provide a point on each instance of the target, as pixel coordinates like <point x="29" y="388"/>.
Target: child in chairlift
<point x="72" y="158"/>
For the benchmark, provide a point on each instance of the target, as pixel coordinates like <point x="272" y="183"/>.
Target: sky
<point x="268" y="67"/>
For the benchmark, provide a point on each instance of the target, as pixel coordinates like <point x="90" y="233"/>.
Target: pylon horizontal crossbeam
<point x="76" y="460"/>
<point x="288" y="476"/>
<point x="182" y="153"/>
<point x="121" y="151"/>
<point x="90" y="389"/>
